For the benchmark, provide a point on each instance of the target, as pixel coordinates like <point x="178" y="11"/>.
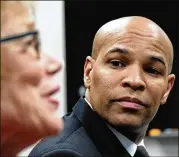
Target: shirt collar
<point x="89" y="104"/>
<point x="130" y="146"/>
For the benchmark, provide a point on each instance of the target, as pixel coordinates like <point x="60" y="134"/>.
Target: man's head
<point x="26" y="86"/>
<point x="128" y="75"/>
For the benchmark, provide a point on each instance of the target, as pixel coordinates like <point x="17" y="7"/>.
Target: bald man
<point x="127" y="77"/>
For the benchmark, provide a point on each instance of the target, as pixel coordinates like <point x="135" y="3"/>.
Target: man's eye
<point x="153" y="71"/>
<point x="116" y="63"/>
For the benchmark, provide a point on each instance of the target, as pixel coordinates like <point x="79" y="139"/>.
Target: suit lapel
<point x="105" y="141"/>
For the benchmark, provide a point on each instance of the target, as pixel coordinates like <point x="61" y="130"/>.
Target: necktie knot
<point x="141" y="152"/>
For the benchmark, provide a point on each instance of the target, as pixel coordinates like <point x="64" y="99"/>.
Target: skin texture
<point x="27" y="115"/>
<point x="127" y="64"/>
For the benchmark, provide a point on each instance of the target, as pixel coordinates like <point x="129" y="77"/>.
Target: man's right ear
<point x="88" y="67"/>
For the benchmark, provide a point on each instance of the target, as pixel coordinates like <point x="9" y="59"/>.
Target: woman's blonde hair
<point x="30" y="4"/>
<point x="6" y="7"/>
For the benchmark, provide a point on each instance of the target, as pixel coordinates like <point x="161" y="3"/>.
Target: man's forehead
<point x="112" y="31"/>
<point x="130" y="23"/>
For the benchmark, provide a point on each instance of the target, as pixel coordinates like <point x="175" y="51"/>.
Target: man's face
<point x="129" y="78"/>
<point x="26" y="80"/>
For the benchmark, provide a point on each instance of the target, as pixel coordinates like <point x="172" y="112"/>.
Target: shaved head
<point x="136" y="25"/>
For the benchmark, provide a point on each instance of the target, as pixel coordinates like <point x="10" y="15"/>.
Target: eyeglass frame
<point x="19" y="36"/>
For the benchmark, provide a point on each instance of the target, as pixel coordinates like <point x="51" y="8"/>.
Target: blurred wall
<point x="163" y="145"/>
<point x="50" y="21"/>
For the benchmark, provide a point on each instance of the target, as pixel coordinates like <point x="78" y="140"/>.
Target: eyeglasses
<point x="22" y="35"/>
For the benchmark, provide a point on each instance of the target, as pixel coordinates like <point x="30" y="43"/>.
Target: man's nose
<point x="134" y="79"/>
<point x="52" y="65"/>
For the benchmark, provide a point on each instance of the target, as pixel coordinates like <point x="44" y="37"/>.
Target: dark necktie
<point x="141" y="152"/>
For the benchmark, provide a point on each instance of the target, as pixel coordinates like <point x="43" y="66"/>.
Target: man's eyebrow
<point x="118" y="50"/>
<point x="158" y="59"/>
<point x="126" y="51"/>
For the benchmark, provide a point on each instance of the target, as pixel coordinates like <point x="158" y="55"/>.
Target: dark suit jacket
<point x="85" y="135"/>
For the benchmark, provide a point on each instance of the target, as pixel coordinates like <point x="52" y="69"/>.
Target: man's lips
<point x="130" y="103"/>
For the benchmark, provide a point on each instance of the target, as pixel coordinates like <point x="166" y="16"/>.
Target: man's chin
<point x="125" y="124"/>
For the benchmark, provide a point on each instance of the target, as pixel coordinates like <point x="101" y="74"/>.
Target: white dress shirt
<point x="130" y="146"/>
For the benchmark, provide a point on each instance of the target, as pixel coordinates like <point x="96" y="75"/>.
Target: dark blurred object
<point x="83" y="19"/>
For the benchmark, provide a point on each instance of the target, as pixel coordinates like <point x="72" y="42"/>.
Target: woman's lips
<point x="51" y="91"/>
<point x="49" y="96"/>
<point x="53" y="101"/>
